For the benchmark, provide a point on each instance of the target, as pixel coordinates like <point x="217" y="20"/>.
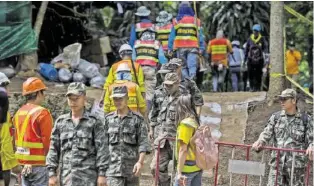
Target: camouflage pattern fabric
<point x="288" y="132"/>
<point x="123" y="181"/>
<point x="127" y="138"/>
<point x="195" y="92"/>
<point x="284" y="177"/>
<point x="82" y="150"/>
<point x="150" y="81"/>
<point x="165" y="156"/>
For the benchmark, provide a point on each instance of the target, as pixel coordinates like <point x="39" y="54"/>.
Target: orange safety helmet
<point x="32" y="85"/>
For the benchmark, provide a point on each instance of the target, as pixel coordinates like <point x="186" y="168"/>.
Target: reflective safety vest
<point x="29" y="147"/>
<point x="163" y="35"/>
<point x="140" y="27"/>
<point x="186" y="33"/>
<point x="219" y="49"/>
<point x="133" y="102"/>
<point x="129" y="62"/>
<point x="147" y="52"/>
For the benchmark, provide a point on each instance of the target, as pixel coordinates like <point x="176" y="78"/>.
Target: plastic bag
<point x="79" y="77"/>
<point x="65" y="75"/>
<point x="72" y="55"/>
<point x="98" y="109"/>
<point x="57" y="59"/>
<point x="48" y="71"/>
<point x="88" y="69"/>
<point x="97" y="82"/>
<point x="8" y="71"/>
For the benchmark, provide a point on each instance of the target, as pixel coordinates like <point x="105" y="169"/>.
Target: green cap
<point x="76" y="88"/>
<point x="171" y="78"/>
<point x="288" y="93"/>
<point x="119" y="92"/>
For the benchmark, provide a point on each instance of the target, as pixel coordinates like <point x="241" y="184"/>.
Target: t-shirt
<point x="185" y="132"/>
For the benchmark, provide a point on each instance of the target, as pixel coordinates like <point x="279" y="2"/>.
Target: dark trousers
<point x="255" y="72"/>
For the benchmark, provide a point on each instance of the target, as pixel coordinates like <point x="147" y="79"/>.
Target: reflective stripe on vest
<point x="132" y="101"/>
<point x="30" y="149"/>
<point x="186" y="33"/>
<point x="163" y="35"/>
<point x="219" y="49"/>
<point x="147" y="52"/>
<point x="140" y="27"/>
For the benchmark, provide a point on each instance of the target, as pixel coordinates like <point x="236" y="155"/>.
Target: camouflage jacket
<point x="167" y="118"/>
<point x="187" y="86"/>
<point x="80" y="151"/>
<point x="293" y="134"/>
<point x="127" y="137"/>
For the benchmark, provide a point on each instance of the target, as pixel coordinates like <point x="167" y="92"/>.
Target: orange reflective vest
<point x="147" y="52"/>
<point x="163" y="35"/>
<point x="140" y="27"/>
<point x="219" y="49"/>
<point x="186" y="33"/>
<point x="29" y="147"/>
<point x="133" y="102"/>
<point x="129" y="62"/>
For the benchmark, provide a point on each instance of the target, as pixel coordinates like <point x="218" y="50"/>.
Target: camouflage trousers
<point x="123" y="181"/>
<point x="165" y="155"/>
<point x="150" y="83"/>
<point x="284" y="177"/>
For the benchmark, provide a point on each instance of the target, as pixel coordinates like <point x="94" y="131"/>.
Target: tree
<point x="235" y="18"/>
<point x="276" y="48"/>
<point x="28" y="62"/>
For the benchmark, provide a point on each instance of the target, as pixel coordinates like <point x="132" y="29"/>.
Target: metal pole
<point x="232" y="156"/>
<point x="292" y="170"/>
<point x="261" y="178"/>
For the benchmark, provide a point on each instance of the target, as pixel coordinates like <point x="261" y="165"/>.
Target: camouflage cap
<point x="288" y="93"/>
<point x="176" y="61"/>
<point x="171" y="78"/>
<point x="118" y="92"/>
<point x="76" y="88"/>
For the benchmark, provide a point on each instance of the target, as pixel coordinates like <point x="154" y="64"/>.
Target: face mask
<point x="124" y="76"/>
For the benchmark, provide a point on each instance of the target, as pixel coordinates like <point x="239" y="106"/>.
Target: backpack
<point x="255" y="54"/>
<point x="206" y="151"/>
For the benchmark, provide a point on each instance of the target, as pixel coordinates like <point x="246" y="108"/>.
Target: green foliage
<point x="235" y="18"/>
<point x="107" y="15"/>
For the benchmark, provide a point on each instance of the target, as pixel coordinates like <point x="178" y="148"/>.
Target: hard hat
<point x="32" y="85"/>
<point x="125" y="47"/>
<point x="257" y="27"/>
<point x="142" y="11"/>
<point x="220" y="34"/>
<point x="4" y="78"/>
<point x="236" y="42"/>
<point x="123" y="67"/>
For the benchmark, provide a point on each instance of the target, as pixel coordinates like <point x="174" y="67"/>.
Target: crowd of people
<point x="149" y="98"/>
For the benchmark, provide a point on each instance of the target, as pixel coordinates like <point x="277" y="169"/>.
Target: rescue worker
<point x="126" y="133"/>
<point x="187" y="39"/>
<point x="7" y="156"/>
<point x="255" y="48"/>
<point x="163" y="29"/>
<point x="145" y="23"/>
<point x="168" y="128"/>
<point x="291" y="129"/>
<point x="125" y="53"/>
<point x="149" y="54"/>
<point x="79" y="145"/>
<point x="293" y="60"/>
<point x="136" y="102"/>
<point x="218" y="50"/>
<point x="235" y="63"/>
<point x="33" y="125"/>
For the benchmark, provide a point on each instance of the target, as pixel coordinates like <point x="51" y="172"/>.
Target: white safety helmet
<point x="125" y="47"/>
<point x="4" y="79"/>
<point x="124" y="67"/>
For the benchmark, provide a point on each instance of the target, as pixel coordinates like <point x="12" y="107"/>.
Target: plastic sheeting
<point x="16" y="33"/>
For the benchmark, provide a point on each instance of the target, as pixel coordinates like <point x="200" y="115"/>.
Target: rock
<point x="104" y="71"/>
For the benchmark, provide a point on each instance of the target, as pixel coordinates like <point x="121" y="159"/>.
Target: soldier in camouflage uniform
<point x="290" y="129"/>
<point x="126" y="133"/>
<point x="166" y="117"/>
<point x="78" y="145"/>
<point x="187" y="86"/>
